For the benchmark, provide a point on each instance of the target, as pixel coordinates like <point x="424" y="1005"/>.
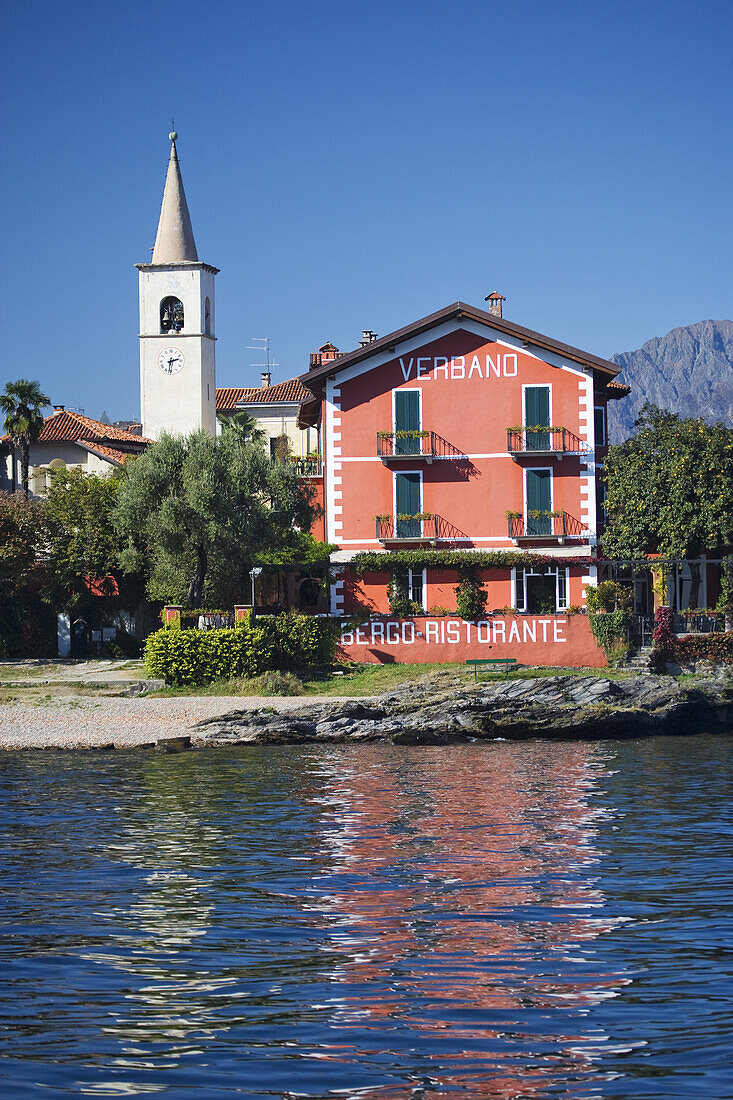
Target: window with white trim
<point x="541" y="591"/>
<point x="599" y="415"/>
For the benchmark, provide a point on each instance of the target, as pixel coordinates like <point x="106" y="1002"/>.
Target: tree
<point x="245" y="425"/>
<point x="192" y="506"/>
<point x="22" y="535"/>
<point x="670" y="489"/>
<point x="83" y="545"/>
<point x="22" y="402"/>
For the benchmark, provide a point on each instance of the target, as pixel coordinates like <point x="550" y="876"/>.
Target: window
<point x="207" y="317"/>
<point x="171" y="315"/>
<point x="599" y="416"/>
<point x="407" y="419"/>
<point x="415" y="586"/>
<point x="537" y="415"/>
<point x="601" y="499"/>
<point x="408" y="503"/>
<point x="540" y="591"/>
<point x="538" y="496"/>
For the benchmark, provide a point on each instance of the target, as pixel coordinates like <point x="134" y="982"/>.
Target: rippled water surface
<point x="503" y="920"/>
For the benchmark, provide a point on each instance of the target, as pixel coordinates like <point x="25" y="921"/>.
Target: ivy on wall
<point x="372" y="561"/>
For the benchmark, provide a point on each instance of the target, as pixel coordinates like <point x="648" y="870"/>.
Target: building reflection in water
<point x="461" y="901"/>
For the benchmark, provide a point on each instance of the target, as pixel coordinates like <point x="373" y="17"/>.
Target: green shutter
<point x="407" y="419"/>
<point x="407" y="496"/>
<point x="539" y="499"/>
<point x="537" y="415"/>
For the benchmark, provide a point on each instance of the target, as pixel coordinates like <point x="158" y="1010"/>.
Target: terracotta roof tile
<point x="292" y="390"/>
<point x="105" y="452"/>
<point x="66" y="426"/>
<point x="619" y="389"/>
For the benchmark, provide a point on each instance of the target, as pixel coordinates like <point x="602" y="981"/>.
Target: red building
<point x="464" y="431"/>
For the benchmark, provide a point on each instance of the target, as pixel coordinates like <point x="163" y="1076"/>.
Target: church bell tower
<point x="177" y="342"/>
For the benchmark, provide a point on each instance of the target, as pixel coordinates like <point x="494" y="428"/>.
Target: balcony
<point x="310" y="466"/>
<point x="545" y="526"/>
<point x="550" y="442"/>
<point x="406" y="445"/>
<point x="425" y="528"/>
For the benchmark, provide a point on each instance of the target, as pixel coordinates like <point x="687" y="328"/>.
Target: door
<point x="537" y="415"/>
<point x="407" y="419"/>
<point x="407" y="499"/>
<point x="539" y="500"/>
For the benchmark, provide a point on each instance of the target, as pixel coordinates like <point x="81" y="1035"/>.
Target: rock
<point x="438" y="712"/>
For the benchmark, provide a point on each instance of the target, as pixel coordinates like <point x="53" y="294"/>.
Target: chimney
<point x="367" y="337"/>
<point x="266" y="377"/>
<point x="325" y="354"/>
<point x="59" y="408"/>
<point x="495" y="299"/>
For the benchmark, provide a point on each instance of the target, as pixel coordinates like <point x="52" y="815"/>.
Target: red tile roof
<point x="230" y="397"/>
<point x="618" y="389"/>
<point x="66" y="426"/>
<point x="118" y="457"/>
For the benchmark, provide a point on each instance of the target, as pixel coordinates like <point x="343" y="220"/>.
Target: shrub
<point x="470" y="596"/>
<point x="276" y="683"/>
<point x="609" y="631"/>
<point x="275" y="642"/>
<point x="400" y="603"/>
<point x="664" y="638"/>
<point x="609" y="596"/>
<point x="707" y="647"/>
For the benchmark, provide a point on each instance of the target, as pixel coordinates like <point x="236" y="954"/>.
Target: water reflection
<point x="373" y="922"/>
<point x="458" y="892"/>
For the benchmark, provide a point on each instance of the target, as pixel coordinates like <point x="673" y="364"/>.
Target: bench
<point x="506" y="661"/>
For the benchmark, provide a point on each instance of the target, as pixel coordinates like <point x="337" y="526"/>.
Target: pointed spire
<point x="174" y="242"/>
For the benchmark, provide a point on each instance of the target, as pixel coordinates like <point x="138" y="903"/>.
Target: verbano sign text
<point x="460" y="367"/>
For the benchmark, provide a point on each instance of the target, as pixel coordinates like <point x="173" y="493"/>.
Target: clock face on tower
<point x="170" y="360"/>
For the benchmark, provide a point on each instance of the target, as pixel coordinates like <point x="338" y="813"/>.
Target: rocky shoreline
<point x="439" y="712"/>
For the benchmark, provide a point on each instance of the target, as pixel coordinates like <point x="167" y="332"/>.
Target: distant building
<point x="69" y="440"/>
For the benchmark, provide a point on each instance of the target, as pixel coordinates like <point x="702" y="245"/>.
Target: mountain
<point x="689" y="371"/>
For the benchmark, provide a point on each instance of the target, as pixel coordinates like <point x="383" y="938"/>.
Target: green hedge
<point x="286" y="642"/>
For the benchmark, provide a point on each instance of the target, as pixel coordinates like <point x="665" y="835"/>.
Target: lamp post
<point x="254" y="573"/>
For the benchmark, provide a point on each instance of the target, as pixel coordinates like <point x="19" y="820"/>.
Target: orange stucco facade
<point x="465" y="434"/>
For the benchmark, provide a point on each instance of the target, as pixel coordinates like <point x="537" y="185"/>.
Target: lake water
<point x="501" y="920"/>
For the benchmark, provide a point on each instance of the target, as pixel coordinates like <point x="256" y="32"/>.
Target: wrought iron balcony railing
<point x="310" y="466"/>
<point x="545" y="441"/>
<point x="406" y="444"/>
<point x="546" y="525"/>
<point x="423" y="527"/>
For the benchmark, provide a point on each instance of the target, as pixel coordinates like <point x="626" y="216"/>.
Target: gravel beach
<point x="121" y="723"/>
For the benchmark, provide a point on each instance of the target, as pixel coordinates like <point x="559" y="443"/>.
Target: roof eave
<point x="457" y="310"/>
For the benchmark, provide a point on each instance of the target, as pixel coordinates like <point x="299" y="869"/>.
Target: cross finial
<point x="173" y="135"/>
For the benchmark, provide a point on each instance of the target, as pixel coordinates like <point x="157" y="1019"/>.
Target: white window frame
<point x="536" y="469"/>
<point x="516" y="587"/>
<point x="602" y="410"/>
<point x="406" y="389"/>
<point x="534" y="386"/>
<point x="411" y="573"/>
<point x="395" y="475"/>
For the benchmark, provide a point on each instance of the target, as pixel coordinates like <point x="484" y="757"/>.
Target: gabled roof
<point x="65" y="426"/>
<point x="316" y="378"/>
<point x="232" y="397"/>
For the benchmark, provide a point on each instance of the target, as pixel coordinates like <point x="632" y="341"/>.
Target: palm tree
<point x="245" y="426"/>
<point x="22" y="402"/>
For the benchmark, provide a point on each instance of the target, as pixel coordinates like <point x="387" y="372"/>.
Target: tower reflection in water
<point x="462" y="903"/>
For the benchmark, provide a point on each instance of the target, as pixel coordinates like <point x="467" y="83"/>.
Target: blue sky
<point x="359" y="165"/>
